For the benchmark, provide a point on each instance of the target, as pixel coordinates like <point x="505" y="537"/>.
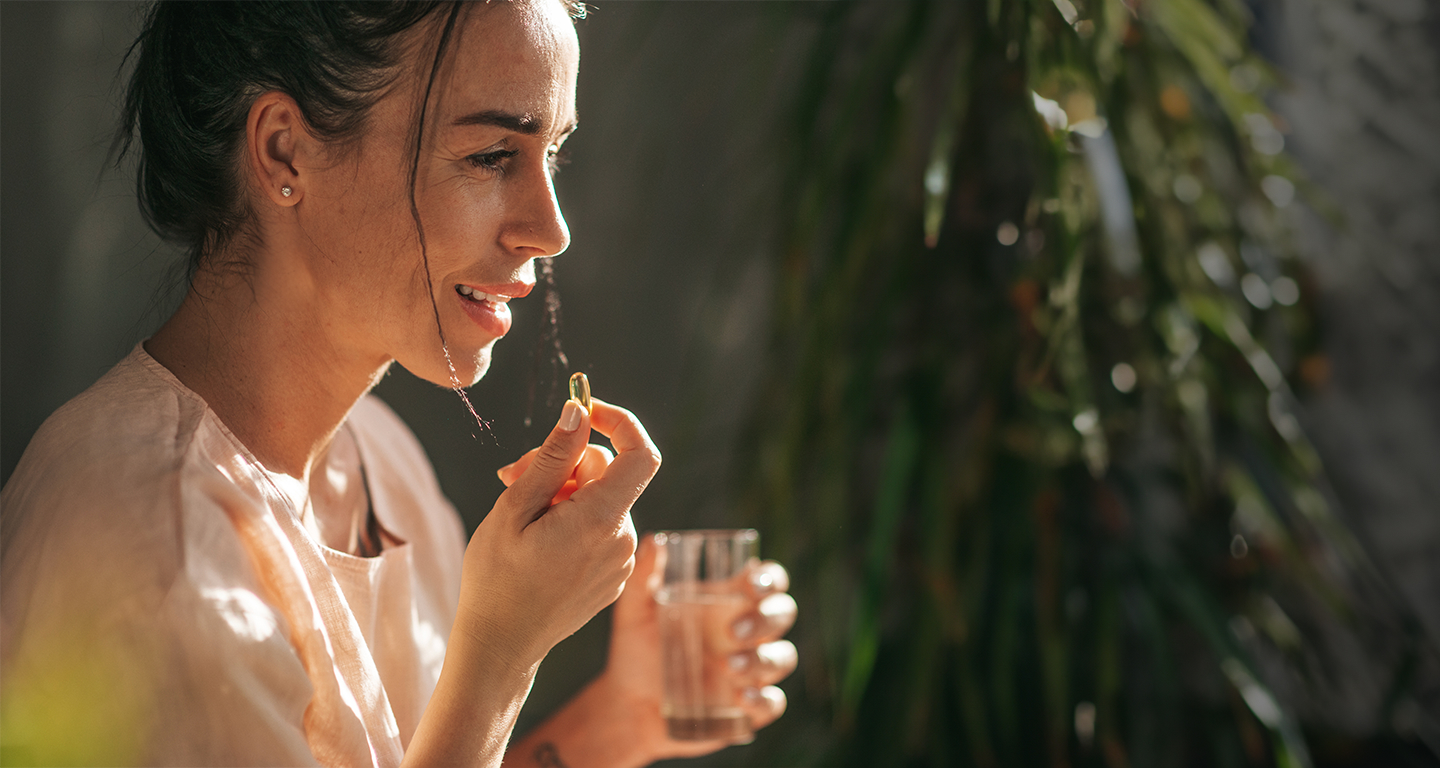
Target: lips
<point x="487" y="305"/>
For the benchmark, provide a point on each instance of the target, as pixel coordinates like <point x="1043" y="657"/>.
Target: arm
<point x="473" y="710"/>
<point x="534" y="572"/>
<point x="591" y="730"/>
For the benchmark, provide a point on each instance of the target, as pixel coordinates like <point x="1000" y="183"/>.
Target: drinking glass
<point x="700" y="596"/>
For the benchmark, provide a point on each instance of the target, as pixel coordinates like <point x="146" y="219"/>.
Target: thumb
<point x="637" y="602"/>
<point x="554" y="462"/>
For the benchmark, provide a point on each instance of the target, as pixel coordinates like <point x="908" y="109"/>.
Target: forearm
<point x="472" y="713"/>
<point x="588" y="732"/>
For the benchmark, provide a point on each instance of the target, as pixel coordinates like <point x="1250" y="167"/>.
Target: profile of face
<point x="501" y="105"/>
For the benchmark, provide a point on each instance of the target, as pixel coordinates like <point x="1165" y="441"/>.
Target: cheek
<point x="382" y="243"/>
<point x="461" y="217"/>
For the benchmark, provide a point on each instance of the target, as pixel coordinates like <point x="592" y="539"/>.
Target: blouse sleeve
<point x="135" y="631"/>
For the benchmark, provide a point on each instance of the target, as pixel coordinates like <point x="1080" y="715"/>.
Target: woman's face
<point x="503" y="103"/>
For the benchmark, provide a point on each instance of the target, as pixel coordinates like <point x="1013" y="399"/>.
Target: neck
<point x="266" y="360"/>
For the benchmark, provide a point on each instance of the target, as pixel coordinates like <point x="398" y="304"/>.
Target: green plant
<point x="1027" y="437"/>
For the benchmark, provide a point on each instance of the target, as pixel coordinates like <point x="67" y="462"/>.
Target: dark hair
<point x="200" y="66"/>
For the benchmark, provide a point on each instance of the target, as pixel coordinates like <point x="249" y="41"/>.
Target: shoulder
<point x="106" y="461"/>
<point x="103" y="494"/>
<point x="134" y="414"/>
<point x="123" y="573"/>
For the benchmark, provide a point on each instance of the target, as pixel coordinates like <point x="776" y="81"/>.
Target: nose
<point x="537" y="226"/>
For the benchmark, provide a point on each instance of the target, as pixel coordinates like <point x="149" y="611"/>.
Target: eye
<point x="556" y="157"/>
<point x="492" y="161"/>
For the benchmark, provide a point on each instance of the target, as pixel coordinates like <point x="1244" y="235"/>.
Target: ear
<point x="275" y="139"/>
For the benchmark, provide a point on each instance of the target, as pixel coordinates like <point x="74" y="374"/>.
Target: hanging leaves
<point x="1028" y="436"/>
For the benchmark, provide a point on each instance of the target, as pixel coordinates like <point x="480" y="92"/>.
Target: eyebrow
<point x="526" y="124"/>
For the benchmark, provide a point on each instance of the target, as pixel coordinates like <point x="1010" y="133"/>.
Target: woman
<point x="225" y="551"/>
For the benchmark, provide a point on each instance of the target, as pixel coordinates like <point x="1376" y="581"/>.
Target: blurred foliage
<point x="1027" y="438"/>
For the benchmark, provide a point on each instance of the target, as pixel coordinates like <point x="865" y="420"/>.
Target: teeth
<point x="466" y="290"/>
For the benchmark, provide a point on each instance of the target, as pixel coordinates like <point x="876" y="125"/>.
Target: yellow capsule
<point x="580" y="389"/>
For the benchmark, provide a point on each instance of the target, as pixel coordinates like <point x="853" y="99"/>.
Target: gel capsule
<point x="580" y="389"/>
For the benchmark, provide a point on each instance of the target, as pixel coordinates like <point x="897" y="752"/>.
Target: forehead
<point x="515" y="57"/>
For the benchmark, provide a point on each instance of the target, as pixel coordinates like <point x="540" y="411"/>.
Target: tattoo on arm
<point x="546" y="756"/>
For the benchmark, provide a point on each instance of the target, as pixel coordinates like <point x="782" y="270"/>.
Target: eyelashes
<point x="497" y="161"/>
<point x="492" y="161"/>
<point x="556" y="158"/>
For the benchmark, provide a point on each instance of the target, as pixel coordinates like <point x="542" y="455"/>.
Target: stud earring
<point x="286" y="190"/>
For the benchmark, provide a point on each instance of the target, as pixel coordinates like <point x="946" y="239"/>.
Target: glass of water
<point x="702" y="593"/>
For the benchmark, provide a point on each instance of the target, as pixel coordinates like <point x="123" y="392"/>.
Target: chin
<point x="469" y="369"/>
<point x="479" y="366"/>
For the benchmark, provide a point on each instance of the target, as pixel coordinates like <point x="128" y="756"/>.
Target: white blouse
<point x="166" y="600"/>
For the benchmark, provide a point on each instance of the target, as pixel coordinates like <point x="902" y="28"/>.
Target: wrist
<point x="596" y="729"/>
<point x="614" y="716"/>
<point x="476" y="701"/>
<point x="494" y="641"/>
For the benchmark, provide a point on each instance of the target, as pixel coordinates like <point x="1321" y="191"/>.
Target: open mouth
<point x="488" y="310"/>
<point x="477" y="295"/>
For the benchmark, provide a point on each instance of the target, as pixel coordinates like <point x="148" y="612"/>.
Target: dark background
<point x="672" y="200"/>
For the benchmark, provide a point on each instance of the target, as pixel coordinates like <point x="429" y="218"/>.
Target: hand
<point x="592" y="465"/>
<point x="755" y="657"/>
<point x="559" y="543"/>
<point x="534" y="572"/>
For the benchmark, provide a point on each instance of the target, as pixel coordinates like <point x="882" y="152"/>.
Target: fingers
<point x="764" y="660"/>
<point x="636" y="605"/>
<point x="768" y="664"/>
<point x="620" y="425"/>
<point x="509" y="473"/>
<point x="593" y="464"/>
<point x="624" y="431"/>
<point x="763" y="705"/>
<point x="636" y="460"/>
<point x="766" y="578"/>
<point x="772" y="618"/>
<point x="551" y="465"/>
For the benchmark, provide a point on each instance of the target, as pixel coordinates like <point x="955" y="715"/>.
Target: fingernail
<point x="739" y="661"/>
<point x="762" y="580"/>
<point x="501" y="471"/>
<point x="743" y="628"/>
<point x="570" y="417"/>
<point x="754" y="696"/>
